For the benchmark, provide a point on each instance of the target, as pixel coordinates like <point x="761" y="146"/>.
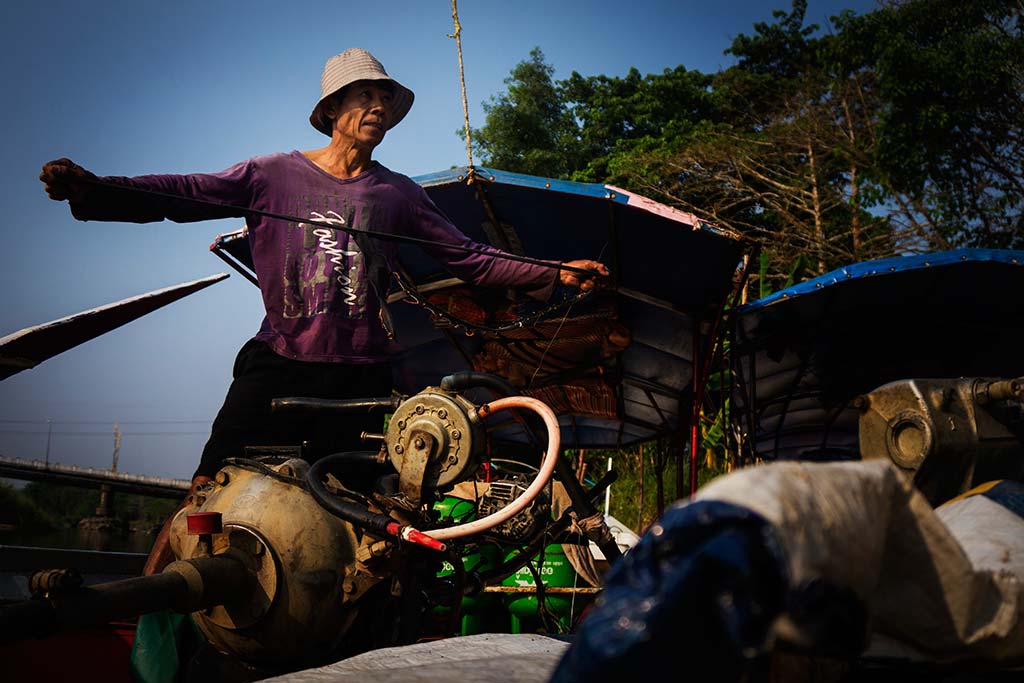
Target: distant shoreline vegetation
<point x="43" y="508"/>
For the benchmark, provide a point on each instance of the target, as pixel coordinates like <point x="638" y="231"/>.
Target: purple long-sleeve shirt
<point x="319" y="303"/>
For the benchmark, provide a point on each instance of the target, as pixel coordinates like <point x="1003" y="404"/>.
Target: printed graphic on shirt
<point x="324" y="269"/>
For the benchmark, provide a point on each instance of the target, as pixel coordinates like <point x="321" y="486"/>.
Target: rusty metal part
<point x="431" y="439"/>
<point x="949" y="434"/>
<point x="522" y="526"/>
<point x="296" y="556"/>
<point x="249" y="548"/>
<point x="183" y="586"/>
<point x="332" y="406"/>
<point x="211" y="581"/>
<point x="425" y="443"/>
<point x="999" y="390"/>
<point x="50" y="581"/>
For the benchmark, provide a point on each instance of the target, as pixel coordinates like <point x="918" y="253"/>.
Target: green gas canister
<point x="524" y="609"/>
<point x="480" y="613"/>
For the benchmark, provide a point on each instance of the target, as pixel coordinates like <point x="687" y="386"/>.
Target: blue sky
<point x="125" y="88"/>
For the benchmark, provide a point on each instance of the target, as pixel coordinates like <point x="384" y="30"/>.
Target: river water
<point x="80" y="539"/>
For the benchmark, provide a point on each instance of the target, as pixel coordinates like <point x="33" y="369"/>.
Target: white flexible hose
<point x="547" y="468"/>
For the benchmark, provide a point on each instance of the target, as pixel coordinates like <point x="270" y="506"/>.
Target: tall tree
<point x="576" y="128"/>
<point x="617" y="116"/>
<point x="898" y="131"/>
<point x="527" y="127"/>
<point x="949" y="114"/>
<point x="777" y="167"/>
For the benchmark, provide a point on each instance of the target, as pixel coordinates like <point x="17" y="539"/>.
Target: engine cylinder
<point x="949" y="434"/>
<point x="298" y="553"/>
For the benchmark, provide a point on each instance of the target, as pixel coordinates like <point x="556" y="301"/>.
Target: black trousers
<point x="261" y="375"/>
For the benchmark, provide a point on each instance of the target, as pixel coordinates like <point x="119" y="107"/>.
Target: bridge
<point x="38" y="470"/>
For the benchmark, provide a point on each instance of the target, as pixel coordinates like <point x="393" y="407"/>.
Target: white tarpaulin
<point x="486" y="658"/>
<point x="945" y="585"/>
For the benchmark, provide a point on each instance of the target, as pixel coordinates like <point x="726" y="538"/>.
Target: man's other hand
<point x="584" y="281"/>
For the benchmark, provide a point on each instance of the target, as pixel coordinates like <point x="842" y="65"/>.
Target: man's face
<point x="363" y="112"/>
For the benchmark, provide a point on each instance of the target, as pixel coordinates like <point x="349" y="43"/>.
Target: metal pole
<point x="117" y="448"/>
<point x="184" y="586"/>
<point x="49" y="433"/>
<point x="695" y="413"/>
<point x="608" y="491"/>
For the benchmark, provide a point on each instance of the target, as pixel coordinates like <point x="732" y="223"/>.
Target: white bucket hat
<point x="356" y="64"/>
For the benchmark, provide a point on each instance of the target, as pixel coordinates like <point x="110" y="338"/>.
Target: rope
<point x="462" y="79"/>
<point x="551" y="341"/>
<point x="386" y="236"/>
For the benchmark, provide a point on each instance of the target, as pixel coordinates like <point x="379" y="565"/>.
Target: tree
<point x="18" y="512"/>
<point x="899" y="131"/>
<point x="527" y="127"/>
<point x="615" y="117"/>
<point x="68" y="504"/>
<point x="576" y="128"/>
<point x="778" y="165"/>
<point x="948" y="80"/>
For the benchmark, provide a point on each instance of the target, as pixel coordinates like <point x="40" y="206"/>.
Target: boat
<point x="830" y="409"/>
<point x="614" y="368"/>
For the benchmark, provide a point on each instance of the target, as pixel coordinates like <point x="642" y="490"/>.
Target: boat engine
<point x="950" y="435"/>
<point x="344" y="555"/>
<point x="285" y="564"/>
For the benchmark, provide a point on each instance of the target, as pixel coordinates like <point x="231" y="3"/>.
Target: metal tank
<point x="285" y="564"/>
<point x="298" y="554"/>
<point x="948" y="434"/>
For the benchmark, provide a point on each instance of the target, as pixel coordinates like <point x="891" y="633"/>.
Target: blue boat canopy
<point x="802" y="354"/>
<point x="616" y="366"/>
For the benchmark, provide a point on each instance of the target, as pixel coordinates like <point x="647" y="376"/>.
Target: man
<point x="323" y="334"/>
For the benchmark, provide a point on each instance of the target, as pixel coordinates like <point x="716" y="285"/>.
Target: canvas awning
<point x="802" y="354"/>
<point x="671" y="273"/>
<point x="29" y="347"/>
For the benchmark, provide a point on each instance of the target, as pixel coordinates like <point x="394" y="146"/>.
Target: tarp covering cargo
<point x="846" y="561"/>
<point x="485" y="658"/>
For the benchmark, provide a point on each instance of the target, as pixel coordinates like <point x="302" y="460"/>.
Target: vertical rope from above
<point x="462" y="79"/>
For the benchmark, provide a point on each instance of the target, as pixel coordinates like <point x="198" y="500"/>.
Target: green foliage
<point x="640" y="471"/>
<point x="948" y="77"/>
<point x="144" y="512"/>
<point x="634" y="495"/>
<point x="895" y="131"/>
<point x="617" y="116"/>
<point x="576" y="128"/>
<point x="19" y="511"/>
<point x="779" y="51"/>
<point x="65" y="506"/>
<point x="527" y="126"/>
